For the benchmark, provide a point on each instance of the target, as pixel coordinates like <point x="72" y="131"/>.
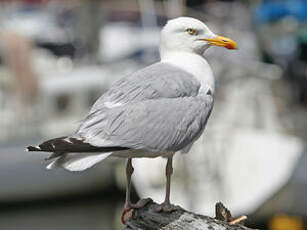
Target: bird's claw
<point x="124" y="216"/>
<point x="167" y="207"/>
<point x="140" y="204"/>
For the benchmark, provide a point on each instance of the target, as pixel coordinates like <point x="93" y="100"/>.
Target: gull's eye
<point x="191" y="31"/>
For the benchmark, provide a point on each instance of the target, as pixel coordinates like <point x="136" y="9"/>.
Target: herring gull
<point x="156" y="111"/>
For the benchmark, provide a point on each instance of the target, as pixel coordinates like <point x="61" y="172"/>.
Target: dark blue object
<point x="270" y="11"/>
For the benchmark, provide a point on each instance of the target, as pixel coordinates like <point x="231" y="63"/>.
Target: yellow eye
<point x="191" y="31"/>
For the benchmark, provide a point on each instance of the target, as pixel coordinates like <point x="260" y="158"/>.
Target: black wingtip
<point x="33" y="148"/>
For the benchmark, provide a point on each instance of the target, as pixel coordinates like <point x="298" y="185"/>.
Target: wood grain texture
<point x="147" y="218"/>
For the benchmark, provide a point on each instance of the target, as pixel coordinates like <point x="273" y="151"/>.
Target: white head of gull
<point x="183" y="42"/>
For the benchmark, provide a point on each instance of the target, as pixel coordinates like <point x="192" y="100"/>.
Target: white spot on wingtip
<point x="37" y="147"/>
<point x="68" y="140"/>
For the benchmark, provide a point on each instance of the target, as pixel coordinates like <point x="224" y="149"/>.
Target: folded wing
<point x="157" y="81"/>
<point x="167" y="124"/>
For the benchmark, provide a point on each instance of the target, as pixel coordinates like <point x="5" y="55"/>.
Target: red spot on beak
<point x="230" y="47"/>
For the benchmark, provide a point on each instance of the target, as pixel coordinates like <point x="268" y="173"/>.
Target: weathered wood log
<point x="147" y="218"/>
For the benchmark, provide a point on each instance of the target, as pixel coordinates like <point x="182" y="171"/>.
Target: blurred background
<point x="57" y="57"/>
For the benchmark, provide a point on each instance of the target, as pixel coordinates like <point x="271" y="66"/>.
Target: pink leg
<point x="129" y="172"/>
<point x="128" y="205"/>
<point x="166" y="206"/>
<point x="168" y="173"/>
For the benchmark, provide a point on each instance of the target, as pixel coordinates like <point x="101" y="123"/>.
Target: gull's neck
<point x="194" y="64"/>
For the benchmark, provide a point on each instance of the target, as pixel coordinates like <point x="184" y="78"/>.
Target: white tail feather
<point x="77" y="161"/>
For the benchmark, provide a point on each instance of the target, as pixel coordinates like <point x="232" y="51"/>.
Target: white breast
<point x="193" y="64"/>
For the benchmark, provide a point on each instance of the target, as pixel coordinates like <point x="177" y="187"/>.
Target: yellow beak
<point x="222" y="41"/>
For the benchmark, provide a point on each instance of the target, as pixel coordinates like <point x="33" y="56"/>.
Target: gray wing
<point x="159" y="80"/>
<point x="167" y="124"/>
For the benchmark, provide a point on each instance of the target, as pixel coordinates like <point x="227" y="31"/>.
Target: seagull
<point x="157" y="111"/>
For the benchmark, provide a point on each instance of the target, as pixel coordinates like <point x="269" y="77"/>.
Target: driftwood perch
<point x="147" y="218"/>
